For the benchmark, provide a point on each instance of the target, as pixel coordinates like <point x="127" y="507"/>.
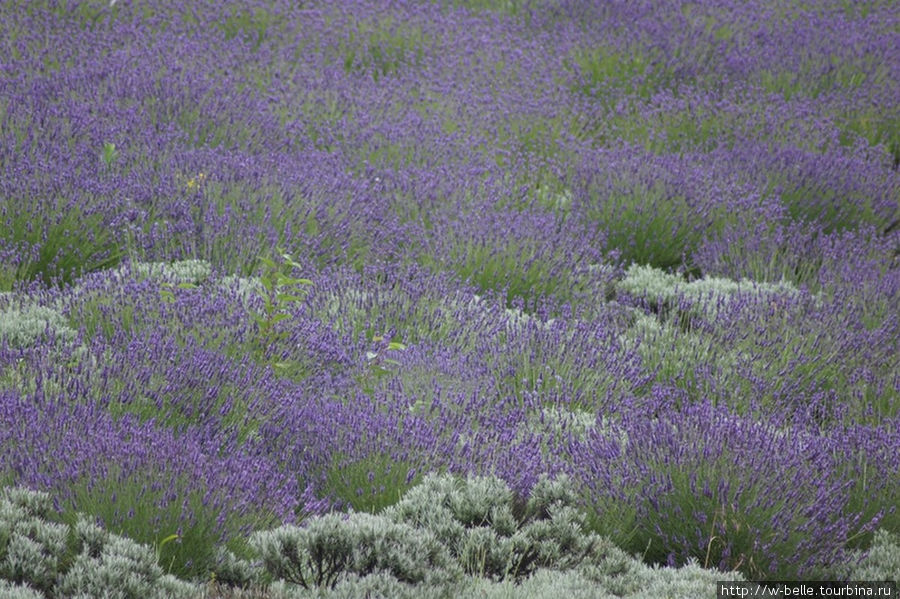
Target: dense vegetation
<point x="624" y="271"/>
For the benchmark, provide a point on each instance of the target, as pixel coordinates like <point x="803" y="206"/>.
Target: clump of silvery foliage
<point x="706" y="296"/>
<point x="333" y="546"/>
<point x="882" y="561"/>
<point x="181" y="271"/>
<point x="494" y="534"/>
<point x="24" y="325"/>
<point x="444" y="528"/>
<point x="473" y="537"/>
<point x="42" y="558"/>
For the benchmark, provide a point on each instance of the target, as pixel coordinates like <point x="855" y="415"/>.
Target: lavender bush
<point x="264" y="262"/>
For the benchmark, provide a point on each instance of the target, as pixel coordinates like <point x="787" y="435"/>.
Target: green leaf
<point x="188" y="286"/>
<point x="396" y="345"/>
<point x="279" y="317"/>
<point x="285" y="281"/>
<point x="290" y="260"/>
<point x="268" y="262"/>
<point x="287" y="297"/>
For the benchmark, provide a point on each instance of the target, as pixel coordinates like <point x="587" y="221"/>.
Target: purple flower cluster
<point x="467" y="185"/>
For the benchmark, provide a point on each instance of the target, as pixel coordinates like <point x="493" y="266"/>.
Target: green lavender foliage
<point x="675" y="355"/>
<point x="382" y="48"/>
<point x="60" y="248"/>
<point x="517" y="269"/>
<point x="99" y="309"/>
<point x="371" y="483"/>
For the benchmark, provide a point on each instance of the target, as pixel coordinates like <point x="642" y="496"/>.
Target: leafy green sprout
<point x="280" y="290"/>
<point x="109" y="154"/>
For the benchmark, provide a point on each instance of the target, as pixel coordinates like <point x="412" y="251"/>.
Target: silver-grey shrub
<point x="233" y="571"/>
<point x="707" y="296"/>
<point x="122" y="567"/>
<point x="495" y="534"/>
<point x="31" y="548"/>
<point x="22" y="326"/>
<point x="882" y="562"/>
<point x="181" y="271"/>
<point x="690" y="580"/>
<point x="441" y="528"/>
<point x="10" y="590"/>
<point x="330" y="547"/>
<point x="82" y="560"/>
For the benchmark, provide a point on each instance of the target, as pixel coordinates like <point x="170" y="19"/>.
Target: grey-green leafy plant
<point x="190" y="271"/>
<point x="332" y="546"/>
<point x="232" y="571"/>
<point x="882" y="561"/>
<point x="44" y="558"/>
<point x="505" y="544"/>
<point x="18" y="591"/>
<point x="24" y="325"/>
<point x="493" y="533"/>
<point x="32" y="550"/>
<point x="707" y="296"/>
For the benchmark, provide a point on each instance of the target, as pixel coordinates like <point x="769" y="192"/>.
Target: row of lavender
<point x="651" y="245"/>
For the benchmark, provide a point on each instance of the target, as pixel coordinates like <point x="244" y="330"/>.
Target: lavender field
<point x="460" y="298"/>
